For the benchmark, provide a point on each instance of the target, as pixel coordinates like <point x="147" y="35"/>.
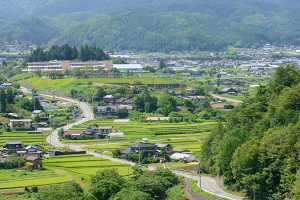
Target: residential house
<point x="167" y="147"/>
<point x="20" y="124"/>
<point x="98" y="131"/>
<point x="232" y="91"/>
<point x="145" y="147"/>
<point x="109" y="99"/>
<point x="13" y="145"/>
<point x="111" y="110"/>
<point x="73" y="133"/>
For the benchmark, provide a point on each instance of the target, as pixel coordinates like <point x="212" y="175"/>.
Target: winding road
<point x="208" y="184"/>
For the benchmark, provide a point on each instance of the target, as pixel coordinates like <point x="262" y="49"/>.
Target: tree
<point x="99" y="94"/>
<point x="109" y="175"/>
<point x="122" y="113"/>
<point x="2" y="100"/>
<point x="162" y="64"/>
<point x="144" y="102"/>
<point x="105" y="189"/>
<point x="65" y="191"/>
<point x="166" y="104"/>
<point x="131" y="194"/>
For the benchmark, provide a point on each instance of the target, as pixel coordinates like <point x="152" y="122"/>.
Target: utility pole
<point x="254" y="196"/>
<point x="140" y="155"/>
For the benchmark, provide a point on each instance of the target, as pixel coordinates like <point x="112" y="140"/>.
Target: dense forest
<point x="65" y="52"/>
<point x="258" y="148"/>
<point x="151" y="25"/>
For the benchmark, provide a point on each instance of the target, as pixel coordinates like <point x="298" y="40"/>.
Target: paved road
<point x="208" y="184"/>
<point x="227" y="99"/>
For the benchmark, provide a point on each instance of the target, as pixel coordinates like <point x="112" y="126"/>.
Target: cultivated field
<point x="180" y="135"/>
<point x="39" y="82"/>
<point x="58" y="170"/>
<point x="26" y="138"/>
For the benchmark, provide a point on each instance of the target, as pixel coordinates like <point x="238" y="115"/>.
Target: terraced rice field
<point x="180" y="135"/>
<point x="138" y="130"/>
<point x="85" y="165"/>
<point x="58" y="170"/>
<point x="25" y="137"/>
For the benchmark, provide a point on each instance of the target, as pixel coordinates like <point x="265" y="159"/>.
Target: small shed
<point x="35" y="161"/>
<point x="183" y="156"/>
<point x="115" y="135"/>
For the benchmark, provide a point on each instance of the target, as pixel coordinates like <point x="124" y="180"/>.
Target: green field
<point x="85" y="165"/>
<point x="26" y="138"/>
<point x="58" y="170"/>
<point x="39" y="82"/>
<point x="180" y="135"/>
<point x="139" y="130"/>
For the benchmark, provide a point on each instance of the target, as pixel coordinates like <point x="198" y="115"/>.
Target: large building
<point x="63" y="65"/>
<point x="129" y="67"/>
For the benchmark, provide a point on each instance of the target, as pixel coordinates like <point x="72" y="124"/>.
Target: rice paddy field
<point x="26" y="138"/>
<point x="58" y="170"/>
<point x="46" y="82"/>
<point x="181" y="135"/>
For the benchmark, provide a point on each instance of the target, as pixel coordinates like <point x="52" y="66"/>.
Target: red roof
<point x="71" y="132"/>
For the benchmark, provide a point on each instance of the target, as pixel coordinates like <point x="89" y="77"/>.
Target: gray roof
<point x="14" y="142"/>
<point x="143" y="145"/>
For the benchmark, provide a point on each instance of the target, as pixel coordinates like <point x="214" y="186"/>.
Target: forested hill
<point x="151" y="24"/>
<point x="258" y="149"/>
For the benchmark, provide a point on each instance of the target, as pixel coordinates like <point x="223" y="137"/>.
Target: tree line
<point x="257" y="149"/>
<point x="66" y="52"/>
<point x="109" y="185"/>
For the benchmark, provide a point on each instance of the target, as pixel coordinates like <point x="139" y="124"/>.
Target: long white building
<point x="63" y="65"/>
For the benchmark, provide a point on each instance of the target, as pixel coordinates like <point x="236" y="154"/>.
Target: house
<point x="38" y="97"/>
<point x="12" y="116"/>
<point x="106" y="111"/>
<point x="111" y="110"/>
<point x="109" y="99"/>
<point x="190" y="91"/>
<point x="145" y="147"/>
<point x="167" y="147"/>
<point x="98" y="131"/>
<point x="73" y="133"/>
<point x="189" y="157"/>
<point x="35" y="161"/>
<point x="33" y="150"/>
<point x="13" y="145"/>
<point x="232" y="91"/>
<point x="20" y="124"/>
<point x="158" y="119"/>
<point x="37" y="112"/>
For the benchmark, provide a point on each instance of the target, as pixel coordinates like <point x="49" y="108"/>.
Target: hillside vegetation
<point x="151" y="25"/>
<point x="258" y="148"/>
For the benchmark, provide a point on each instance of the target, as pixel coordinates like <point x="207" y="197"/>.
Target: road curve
<point x="208" y="184"/>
